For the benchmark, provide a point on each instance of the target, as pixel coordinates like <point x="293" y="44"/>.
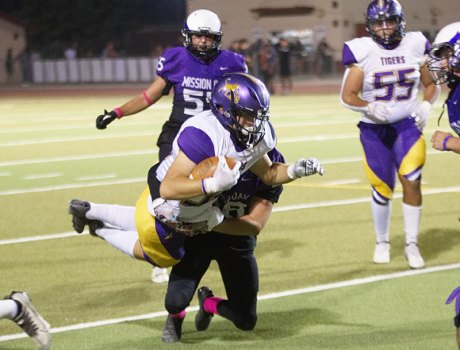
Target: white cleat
<point x="160" y="275"/>
<point x="31" y="321"/>
<point x="382" y="253"/>
<point x="414" y="259"/>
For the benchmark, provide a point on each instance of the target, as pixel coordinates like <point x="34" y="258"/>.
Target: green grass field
<point x="320" y="233"/>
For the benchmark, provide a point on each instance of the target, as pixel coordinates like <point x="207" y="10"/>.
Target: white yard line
<point x="97" y="177"/>
<point x="287" y="293"/>
<point x="76" y="185"/>
<point x="102" y="136"/>
<point x="42" y="176"/>
<point x="78" y="157"/>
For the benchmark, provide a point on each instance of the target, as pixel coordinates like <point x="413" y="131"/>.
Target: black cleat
<point x="78" y="210"/>
<point x="94" y="225"/>
<point x="173" y="330"/>
<point x="203" y="318"/>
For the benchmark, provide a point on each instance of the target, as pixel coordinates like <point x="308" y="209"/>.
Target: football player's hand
<point x="105" y="119"/>
<point x="455" y="295"/>
<point x="423" y="110"/>
<point x="377" y="112"/>
<point x="224" y="178"/>
<point x="305" y="167"/>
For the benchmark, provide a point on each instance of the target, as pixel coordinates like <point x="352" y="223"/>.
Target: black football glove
<point x="105" y="119"/>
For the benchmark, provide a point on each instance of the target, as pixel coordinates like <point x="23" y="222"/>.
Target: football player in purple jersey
<point x="237" y="126"/>
<point x="382" y="80"/>
<point x="445" y="66"/>
<point x="192" y="71"/>
<point x="247" y="208"/>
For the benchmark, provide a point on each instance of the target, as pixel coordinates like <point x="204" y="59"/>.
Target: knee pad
<point x="176" y="302"/>
<point x="414" y="176"/>
<point x="246" y="322"/>
<point x="379" y="199"/>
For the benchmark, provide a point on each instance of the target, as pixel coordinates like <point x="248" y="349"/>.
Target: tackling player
<point x="238" y="127"/>
<point x="247" y="208"/>
<point x="191" y="71"/>
<point x="382" y="80"/>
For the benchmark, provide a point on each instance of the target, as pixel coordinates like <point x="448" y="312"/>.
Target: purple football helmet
<point x="203" y="22"/>
<point x="381" y="11"/>
<point x="238" y="95"/>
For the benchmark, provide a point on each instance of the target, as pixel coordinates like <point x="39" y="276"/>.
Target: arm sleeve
<point x="195" y="144"/>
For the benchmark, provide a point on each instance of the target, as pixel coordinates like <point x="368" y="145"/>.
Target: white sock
<point x="411" y="217"/>
<point x="8" y="309"/>
<point x="122" y="240"/>
<point x="116" y="215"/>
<point x="381" y="214"/>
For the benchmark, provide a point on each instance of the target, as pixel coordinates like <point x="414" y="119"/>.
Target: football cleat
<point x="78" y="210"/>
<point x="31" y="321"/>
<point x="173" y="330"/>
<point x="382" y="253"/>
<point x="94" y="225"/>
<point x="203" y="318"/>
<point x="414" y="259"/>
<point x="159" y="275"/>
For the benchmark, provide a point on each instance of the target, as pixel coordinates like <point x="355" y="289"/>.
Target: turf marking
<point x="287" y="293"/>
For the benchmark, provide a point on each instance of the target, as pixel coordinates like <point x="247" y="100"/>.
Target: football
<point x="207" y="167"/>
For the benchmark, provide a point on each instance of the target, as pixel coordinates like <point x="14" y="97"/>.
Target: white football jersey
<point x="391" y="77"/>
<point x="223" y="145"/>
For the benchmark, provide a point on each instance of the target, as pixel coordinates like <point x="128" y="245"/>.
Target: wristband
<point x="457" y="321"/>
<point x="147" y="99"/>
<point x="203" y="187"/>
<point x="118" y="112"/>
<point x="444" y="143"/>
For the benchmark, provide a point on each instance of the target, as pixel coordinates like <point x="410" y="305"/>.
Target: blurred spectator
<point x="245" y="50"/>
<point x="235" y="46"/>
<point x="284" y="59"/>
<point x="70" y="53"/>
<point x="323" y="58"/>
<point x="26" y="66"/>
<point x="109" y="51"/>
<point x="9" y="65"/>
<point x="267" y="66"/>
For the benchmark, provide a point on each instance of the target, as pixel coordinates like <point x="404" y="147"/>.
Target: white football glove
<point x="305" y="167"/>
<point x="377" y="112"/>
<point x="423" y="110"/>
<point x="224" y="178"/>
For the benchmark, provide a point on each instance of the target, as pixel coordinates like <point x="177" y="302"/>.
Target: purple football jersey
<point x="193" y="79"/>
<point x="453" y="106"/>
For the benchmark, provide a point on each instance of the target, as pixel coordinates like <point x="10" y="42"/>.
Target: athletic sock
<point x="381" y="214"/>
<point x="411" y="215"/>
<point x="210" y="304"/>
<point x="122" y="240"/>
<point x="116" y="215"/>
<point x="9" y="309"/>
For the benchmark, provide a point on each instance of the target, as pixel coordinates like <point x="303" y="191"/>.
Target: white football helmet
<point x="446" y="46"/>
<point x="203" y="22"/>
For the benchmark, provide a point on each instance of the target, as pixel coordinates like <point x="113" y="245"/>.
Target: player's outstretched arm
<point x="278" y="173"/>
<point x="135" y="105"/>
